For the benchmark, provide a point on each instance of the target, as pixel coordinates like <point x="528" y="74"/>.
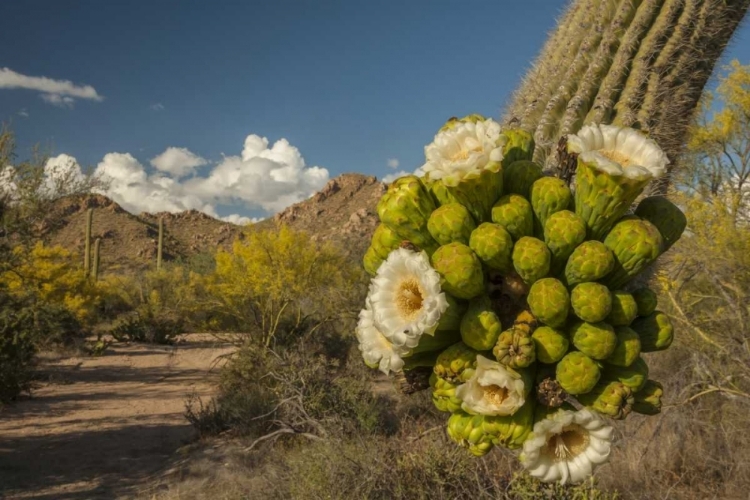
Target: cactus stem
<point x="95" y="266"/>
<point x="87" y="242"/>
<point x="160" y="246"/>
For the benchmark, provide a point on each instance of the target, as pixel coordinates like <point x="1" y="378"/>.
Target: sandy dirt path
<point x="103" y="425"/>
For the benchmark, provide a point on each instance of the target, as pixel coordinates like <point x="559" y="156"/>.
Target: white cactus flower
<point x="619" y="151"/>
<point x="493" y="389"/>
<point x="406" y="297"/>
<point x="567" y="446"/>
<point x="377" y="350"/>
<point x="463" y="151"/>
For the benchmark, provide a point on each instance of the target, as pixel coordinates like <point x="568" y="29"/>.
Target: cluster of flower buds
<point x="519" y="292"/>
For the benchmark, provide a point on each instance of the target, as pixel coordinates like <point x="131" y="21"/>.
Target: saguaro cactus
<point x="87" y="242"/>
<point x="95" y="259"/>
<point x="160" y="244"/>
<point x="633" y="63"/>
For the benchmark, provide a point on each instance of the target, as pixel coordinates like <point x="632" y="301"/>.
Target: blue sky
<point x="349" y="84"/>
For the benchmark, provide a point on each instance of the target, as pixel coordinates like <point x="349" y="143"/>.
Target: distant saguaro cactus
<point x="87" y="242"/>
<point x="95" y="267"/>
<point x="160" y="246"/>
<point x="634" y="63"/>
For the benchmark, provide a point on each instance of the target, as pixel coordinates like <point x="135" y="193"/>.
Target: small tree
<point x="720" y="144"/>
<point x="283" y="278"/>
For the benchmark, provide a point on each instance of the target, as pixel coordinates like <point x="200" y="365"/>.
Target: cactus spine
<point x="160" y="245"/>
<point x="95" y="260"/>
<point x="87" y="242"/>
<point x="633" y="63"/>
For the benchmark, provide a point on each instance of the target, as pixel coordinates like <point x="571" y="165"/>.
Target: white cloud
<point x="23" y="113"/>
<point x="57" y="92"/>
<point x="157" y="106"/>
<point x="392" y="177"/>
<point x="393" y="162"/>
<point x="58" y="100"/>
<point x="269" y="178"/>
<point x="241" y="220"/>
<point x="178" y="162"/>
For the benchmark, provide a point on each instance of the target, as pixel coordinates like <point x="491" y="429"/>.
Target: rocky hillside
<point x="342" y="212"/>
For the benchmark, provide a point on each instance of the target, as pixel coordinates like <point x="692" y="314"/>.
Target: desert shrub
<point x="150" y="328"/>
<point x="154" y="306"/>
<point x="52" y="275"/>
<point x="309" y="389"/>
<point x="280" y="281"/>
<point x="26" y="325"/>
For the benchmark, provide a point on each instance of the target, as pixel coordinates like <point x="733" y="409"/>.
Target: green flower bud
<point x="648" y="399"/>
<point x="550" y="344"/>
<point x="549" y="301"/>
<point x="628" y="347"/>
<point x="514" y="348"/>
<point x="494" y="246"/>
<point x="577" y="373"/>
<point x="405" y="208"/>
<point x="564" y="231"/>
<point x="548" y="196"/>
<point x="531" y="259"/>
<point x="460" y="270"/>
<point x="613" y="399"/>
<point x="590" y="261"/>
<point x="635" y="244"/>
<point x="511" y="431"/>
<point x="513" y="212"/>
<point x="480" y="326"/>
<point x="467" y="431"/>
<point x="372" y="261"/>
<point x="655" y="331"/>
<point x="668" y="219"/>
<point x="519" y="176"/>
<point x="456" y="364"/>
<point x="596" y="340"/>
<point x="519" y="145"/>
<point x="591" y="302"/>
<point x="624" y="309"/>
<point x="634" y="376"/>
<point x="450" y="223"/>
<point x="384" y="241"/>
<point x="444" y="394"/>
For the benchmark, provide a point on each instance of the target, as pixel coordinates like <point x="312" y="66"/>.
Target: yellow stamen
<point x="494" y="394"/>
<point x="409" y="298"/>
<point x="616" y="157"/>
<point x="570" y="443"/>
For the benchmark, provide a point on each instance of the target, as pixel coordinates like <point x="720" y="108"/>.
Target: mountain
<point x="343" y="212"/>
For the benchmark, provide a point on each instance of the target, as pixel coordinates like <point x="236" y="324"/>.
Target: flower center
<point x="616" y="157"/>
<point x="464" y="153"/>
<point x="409" y="298"/>
<point x="494" y="394"/>
<point x="570" y="443"/>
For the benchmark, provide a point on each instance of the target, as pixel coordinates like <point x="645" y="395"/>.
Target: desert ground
<point x="98" y="427"/>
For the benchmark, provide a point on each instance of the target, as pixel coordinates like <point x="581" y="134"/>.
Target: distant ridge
<point x="343" y="212"/>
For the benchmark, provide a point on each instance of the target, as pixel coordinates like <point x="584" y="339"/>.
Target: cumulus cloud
<point x="157" y="107"/>
<point x="61" y="93"/>
<point x="263" y="176"/>
<point x="178" y="161"/>
<point x="393" y="162"/>
<point x="241" y="220"/>
<point x="392" y="177"/>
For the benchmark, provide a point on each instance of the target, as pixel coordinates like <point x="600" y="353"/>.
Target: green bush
<point x="26" y="325"/>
